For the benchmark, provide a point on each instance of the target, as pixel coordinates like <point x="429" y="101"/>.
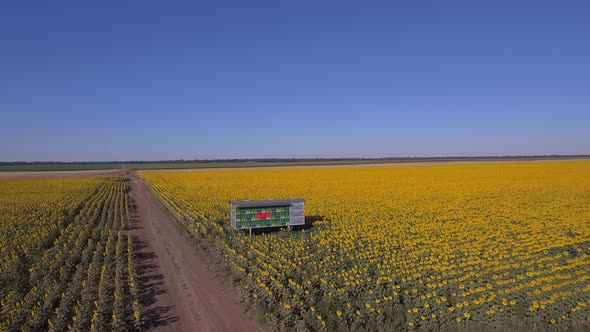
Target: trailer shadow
<point x="309" y="224"/>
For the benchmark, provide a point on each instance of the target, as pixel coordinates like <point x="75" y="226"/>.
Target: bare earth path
<point x="191" y="296"/>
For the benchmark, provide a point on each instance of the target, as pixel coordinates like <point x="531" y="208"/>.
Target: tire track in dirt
<point x="191" y="293"/>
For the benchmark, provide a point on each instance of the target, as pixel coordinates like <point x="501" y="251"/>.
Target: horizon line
<point x="20" y="162"/>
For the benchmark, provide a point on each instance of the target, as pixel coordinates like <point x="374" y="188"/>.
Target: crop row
<point x="73" y="265"/>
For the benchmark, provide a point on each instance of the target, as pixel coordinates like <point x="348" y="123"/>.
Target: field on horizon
<point x="429" y="247"/>
<point x="33" y="167"/>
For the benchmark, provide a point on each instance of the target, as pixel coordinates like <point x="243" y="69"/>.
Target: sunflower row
<point x="81" y="275"/>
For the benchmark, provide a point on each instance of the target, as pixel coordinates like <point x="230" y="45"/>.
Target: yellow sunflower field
<point x="405" y="247"/>
<point x="66" y="259"/>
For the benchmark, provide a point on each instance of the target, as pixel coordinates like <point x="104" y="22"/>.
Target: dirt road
<point x="191" y="297"/>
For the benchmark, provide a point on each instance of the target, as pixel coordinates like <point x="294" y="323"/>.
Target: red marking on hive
<point x="263" y="215"/>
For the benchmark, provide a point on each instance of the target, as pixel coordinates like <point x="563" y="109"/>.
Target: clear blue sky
<point x="125" y="80"/>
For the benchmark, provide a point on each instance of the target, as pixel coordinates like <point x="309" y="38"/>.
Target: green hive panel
<point x="253" y="217"/>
